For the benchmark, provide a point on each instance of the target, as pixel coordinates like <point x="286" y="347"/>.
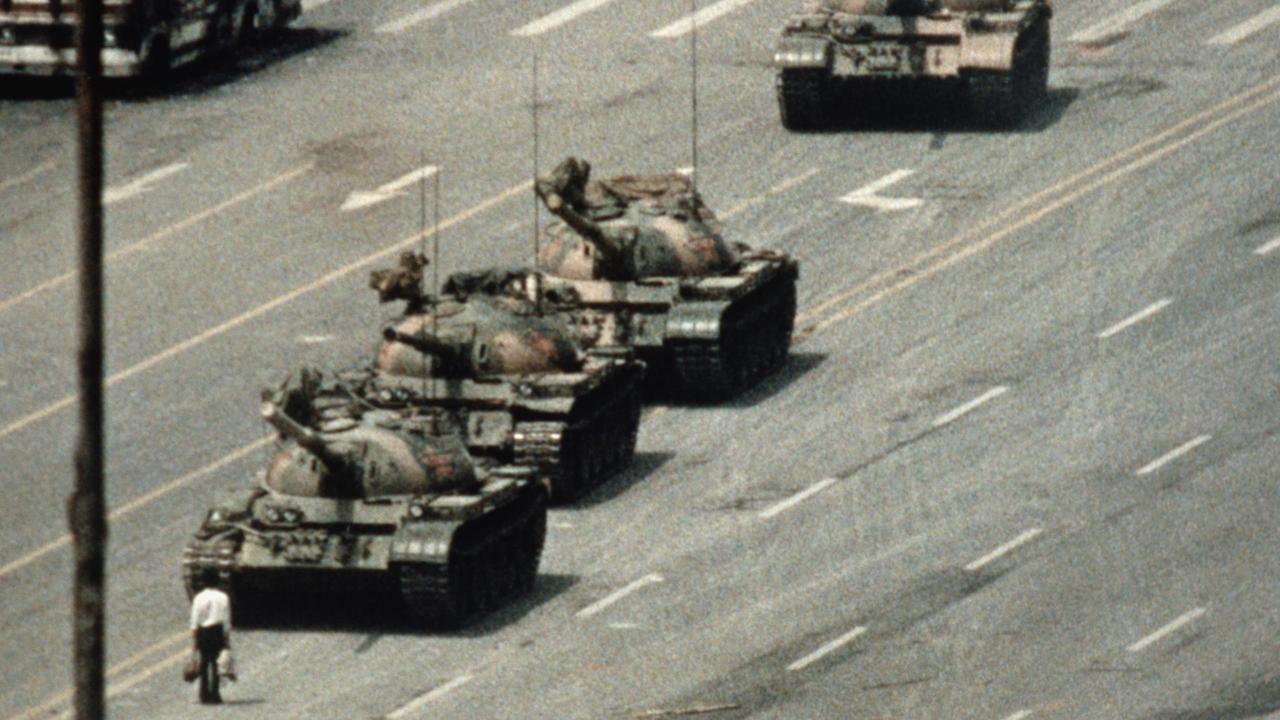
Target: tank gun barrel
<point x="427" y="344"/>
<point x="305" y="437"/>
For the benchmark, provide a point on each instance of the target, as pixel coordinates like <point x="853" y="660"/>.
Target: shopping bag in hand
<point x="191" y="668"/>
<point x="226" y="665"/>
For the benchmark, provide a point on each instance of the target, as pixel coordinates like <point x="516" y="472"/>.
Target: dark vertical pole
<point x="87" y="506"/>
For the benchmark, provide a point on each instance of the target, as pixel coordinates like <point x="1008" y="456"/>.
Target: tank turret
<point x="629" y="227"/>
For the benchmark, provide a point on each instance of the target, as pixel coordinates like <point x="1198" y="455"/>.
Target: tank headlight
<point x="293" y="516"/>
<point x="272" y="514"/>
<point x="417" y="511"/>
<point x="215" y="516"/>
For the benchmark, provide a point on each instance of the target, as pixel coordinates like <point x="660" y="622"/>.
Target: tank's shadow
<point x="380" y="612"/>
<point x="937" y="110"/>
<point x="194" y="79"/>
<point x="644" y="465"/>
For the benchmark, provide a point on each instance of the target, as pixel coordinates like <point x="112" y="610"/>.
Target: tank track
<point x="493" y="560"/>
<point x="1005" y="98"/>
<point x="755" y="337"/>
<point x="802" y="98"/>
<point x="585" y="452"/>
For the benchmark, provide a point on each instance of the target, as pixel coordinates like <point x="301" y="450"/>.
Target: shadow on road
<point x="939" y="111"/>
<point x="195" y="79"/>
<point x="644" y="465"/>
<point x="378" y="611"/>
<point x="798" y="365"/>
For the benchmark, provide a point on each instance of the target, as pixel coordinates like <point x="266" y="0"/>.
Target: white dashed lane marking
<point x="430" y="697"/>
<point x="426" y="14"/>
<point x="1020" y="715"/>
<point x="1267" y="248"/>
<point x="1163" y="632"/>
<point x="827" y="649"/>
<point x="1119" y="22"/>
<point x="970" y="406"/>
<point x="1004" y="549"/>
<point x="1135" y="318"/>
<point x="1235" y="34"/>
<point x="617" y="595"/>
<point x="1173" y="455"/>
<point x="798" y="498"/>
<point x="685" y="25"/>
<point x="560" y="17"/>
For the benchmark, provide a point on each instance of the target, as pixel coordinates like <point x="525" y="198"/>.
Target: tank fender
<point x="801" y="51"/>
<point x="423" y="541"/>
<point x="987" y="51"/>
<point x="696" y="321"/>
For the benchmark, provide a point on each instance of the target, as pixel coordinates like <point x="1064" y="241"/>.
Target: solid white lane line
<point x="419" y="17"/>
<point x="1004" y="549"/>
<point x="970" y="406"/>
<point x="868" y="195"/>
<point x="1118" y="22"/>
<point x="799" y="497"/>
<point x="617" y="595"/>
<point x="1136" y="318"/>
<point x="27" y="176"/>
<point x="361" y="199"/>
<point x="827" y="649"/>
<point x="1266" y="248"/>
<point x="686" y="24"/>
<point x="1167" y="629"/>
<point x="1173" y="455"/>
<point x="1236" y="33"/>
<point x="431" y="696"/>
<point x="140" y="184"/>
<point x="1020" y="715"/>
<point x="559" y="17"/>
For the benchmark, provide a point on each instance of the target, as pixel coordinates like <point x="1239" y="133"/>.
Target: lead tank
<point x="639" y="261"/>
<point x="355" y="500"/>
<point x="850" y="50"/>
<point x="510" y="377"/>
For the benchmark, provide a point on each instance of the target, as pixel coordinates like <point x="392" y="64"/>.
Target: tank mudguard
<point x="987" y="51"/>
<point x="695" y="321"/>
<point x="797" y="52"/>
<point x="423" y="541"/>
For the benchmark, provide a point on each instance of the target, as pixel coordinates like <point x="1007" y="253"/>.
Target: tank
<point x="509" y="376"/>
<point x="356" y="499"/>
<point x="639" y="261"/>
<point x="851" y="50"/>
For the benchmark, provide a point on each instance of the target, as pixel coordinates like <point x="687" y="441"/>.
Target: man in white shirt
<point x="210" y="632"/>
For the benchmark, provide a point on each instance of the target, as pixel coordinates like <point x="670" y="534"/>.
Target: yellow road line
<point x="1036" y="199"/>
<point x="267" y="307"/>
<point x="139" y="502"/>
<point x="914" y="276"/>
<point x="65" y="278"/>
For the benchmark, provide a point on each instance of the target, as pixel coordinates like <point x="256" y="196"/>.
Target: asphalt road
<point x="1019" y="466"/>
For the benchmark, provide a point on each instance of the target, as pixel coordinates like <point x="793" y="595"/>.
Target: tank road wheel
<point x="802" y="98"/>
<point x="1003" y="99"/>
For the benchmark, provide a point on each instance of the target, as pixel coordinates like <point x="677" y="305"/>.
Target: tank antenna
<point x="693" y="94"/>
<point x="435" y="264"/>
<point x="537" y="244"/>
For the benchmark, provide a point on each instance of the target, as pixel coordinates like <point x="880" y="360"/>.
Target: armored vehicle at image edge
<point x="140" y="37"/>
<point x="356" y="499"/>
<point x="639" y="261"/>
<point x="848" y="50"/>
<point x="509" y="378"/>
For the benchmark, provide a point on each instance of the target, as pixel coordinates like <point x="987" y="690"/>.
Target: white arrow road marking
<point x="827" y="649"/>
<point x="431" y="696"/>
<point x="364" y="198"/>
<point x="1166" y="630"/>
<point x="866" y="196"/>
<point x="426" y="14"/>
<point x="1235" y="34"/>
<point x="139" y="185"/>
<point x="1118" y="22"/>
<point x="617" y="595"/>
<point x="559" y="17"/>
<point x="686" y="24"/>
